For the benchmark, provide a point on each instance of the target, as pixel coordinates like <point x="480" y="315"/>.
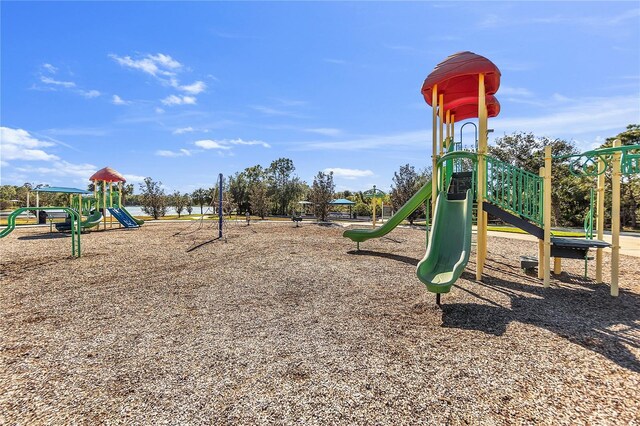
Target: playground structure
<point x="462" y="87"/>
<point x="221" y="206"/>
<point x="93" y="208"/>
<point x="375" y="195"/>
<point x="108" y="199"/>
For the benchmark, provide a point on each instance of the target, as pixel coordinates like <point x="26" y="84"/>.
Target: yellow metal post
<point x="540" y="259"/>
<point x="434" y="152"/>
<point x="547" y="215"/>
<point x="453" y="128"/>
<point x="481" y="245"/>
<point x="541" y="244"/>
<point x="615" y="218"/>
<point x="441" y="114"/>
<point x="104" y="204"/>
<point x="447" y="141"/>
<point x="600" y="218"/>
<point x="110" y="204"/>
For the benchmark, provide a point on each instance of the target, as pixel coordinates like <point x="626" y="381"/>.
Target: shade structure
<point x="61" y="190"/>
<point x="342" y="202"/>
<point x="469" y="109"/>
<point x="107" y="174"/>
<point x="371" y="193"/>
<point x="457" y="77"/>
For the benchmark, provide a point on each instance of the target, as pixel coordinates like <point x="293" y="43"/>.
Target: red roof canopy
<point x="457" y="77"/>
<point x="463" y="111"/>
<point x="108" y="174"/>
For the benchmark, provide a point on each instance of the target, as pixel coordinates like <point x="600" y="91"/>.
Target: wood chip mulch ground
<point x="289" y="325"/>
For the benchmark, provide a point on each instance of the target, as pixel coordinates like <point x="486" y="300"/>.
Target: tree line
<point x="276" y="189"/>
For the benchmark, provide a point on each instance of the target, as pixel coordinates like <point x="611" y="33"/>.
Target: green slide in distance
<point x="449" y="244"/>
<point x="135" y="219"/>
<point x="90" y="222"/>
<point x="360" y="235"/>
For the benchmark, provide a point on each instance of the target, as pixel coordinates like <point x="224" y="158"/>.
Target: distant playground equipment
<point x="75" y="226"/>
<point x="220" y="206"/>
<point x="84" y="212"/>
<point x="375" y="195"/>
<point x="463" y="87"/>
<point x="111" y="200"/>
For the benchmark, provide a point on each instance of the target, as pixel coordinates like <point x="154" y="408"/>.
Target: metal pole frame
<point x="220" y="206"/>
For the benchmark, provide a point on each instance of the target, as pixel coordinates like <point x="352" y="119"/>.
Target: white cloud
<point x="49" y="80"/>
<point x="180" y="153"/>
<point x="335" y="61"/>
<point x="210" y="144"/>
<point x="164" y="68"/>
<point x="159" y="110"/>
<point x="90" y="93"/>
<point x="573" y="118"/>
<point x="192" y="89"/>
<point x="50" y="68"/>
<point x="183" y="130"/>
<point x="269" y="111"/>
<point x="18" y="144"/>
<point x="134" y="178"/>
<point x="348" y="173"/>
<point x="117" y="100"/>
<point x="560" y="98"/>
<point x="165" y="60"/>
<point x="243" y="142"/>
<point x="52" y="84"/>
<point x="227" y="144"/>
<point x="159" y="64"/>
<point x="77" y="131"/>
<point x="412" y="139"/>
<point x="179" y="100"/>
<point x="64" y="169"/>
<point x="514" y="91"/>
<point x="326" y="131"/>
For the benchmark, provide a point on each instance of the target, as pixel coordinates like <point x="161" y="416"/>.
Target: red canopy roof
<point x="108" y="174"/>
<point x="469" y="109"/>
<point x="457" y="77"/>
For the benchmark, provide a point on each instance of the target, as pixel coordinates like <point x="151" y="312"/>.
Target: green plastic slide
<point x="360" y="235"/>
<point x="449" y="244"/>
<point x="135" y="219"/>
<point x="90" y="222"/>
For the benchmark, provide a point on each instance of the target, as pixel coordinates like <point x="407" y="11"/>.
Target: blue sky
<point x="183" y="91"/>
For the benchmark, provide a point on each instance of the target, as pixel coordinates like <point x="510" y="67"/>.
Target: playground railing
<point x="512" y="188"/>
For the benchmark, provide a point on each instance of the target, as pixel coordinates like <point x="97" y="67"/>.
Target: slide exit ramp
<point x="449" y="244"/>
<point x="360" y="235"/>
<point x="135" y="219"/>
<point x="123" y="218"/>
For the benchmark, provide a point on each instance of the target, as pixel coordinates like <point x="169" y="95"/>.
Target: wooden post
<point x="615" y="218"/>
<point x="541" y="244"/>
<point x="481" y="238"/>
<point x="547" y="215"/>
<point x="600" y="218"/>
<point x="434" y="152"/>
